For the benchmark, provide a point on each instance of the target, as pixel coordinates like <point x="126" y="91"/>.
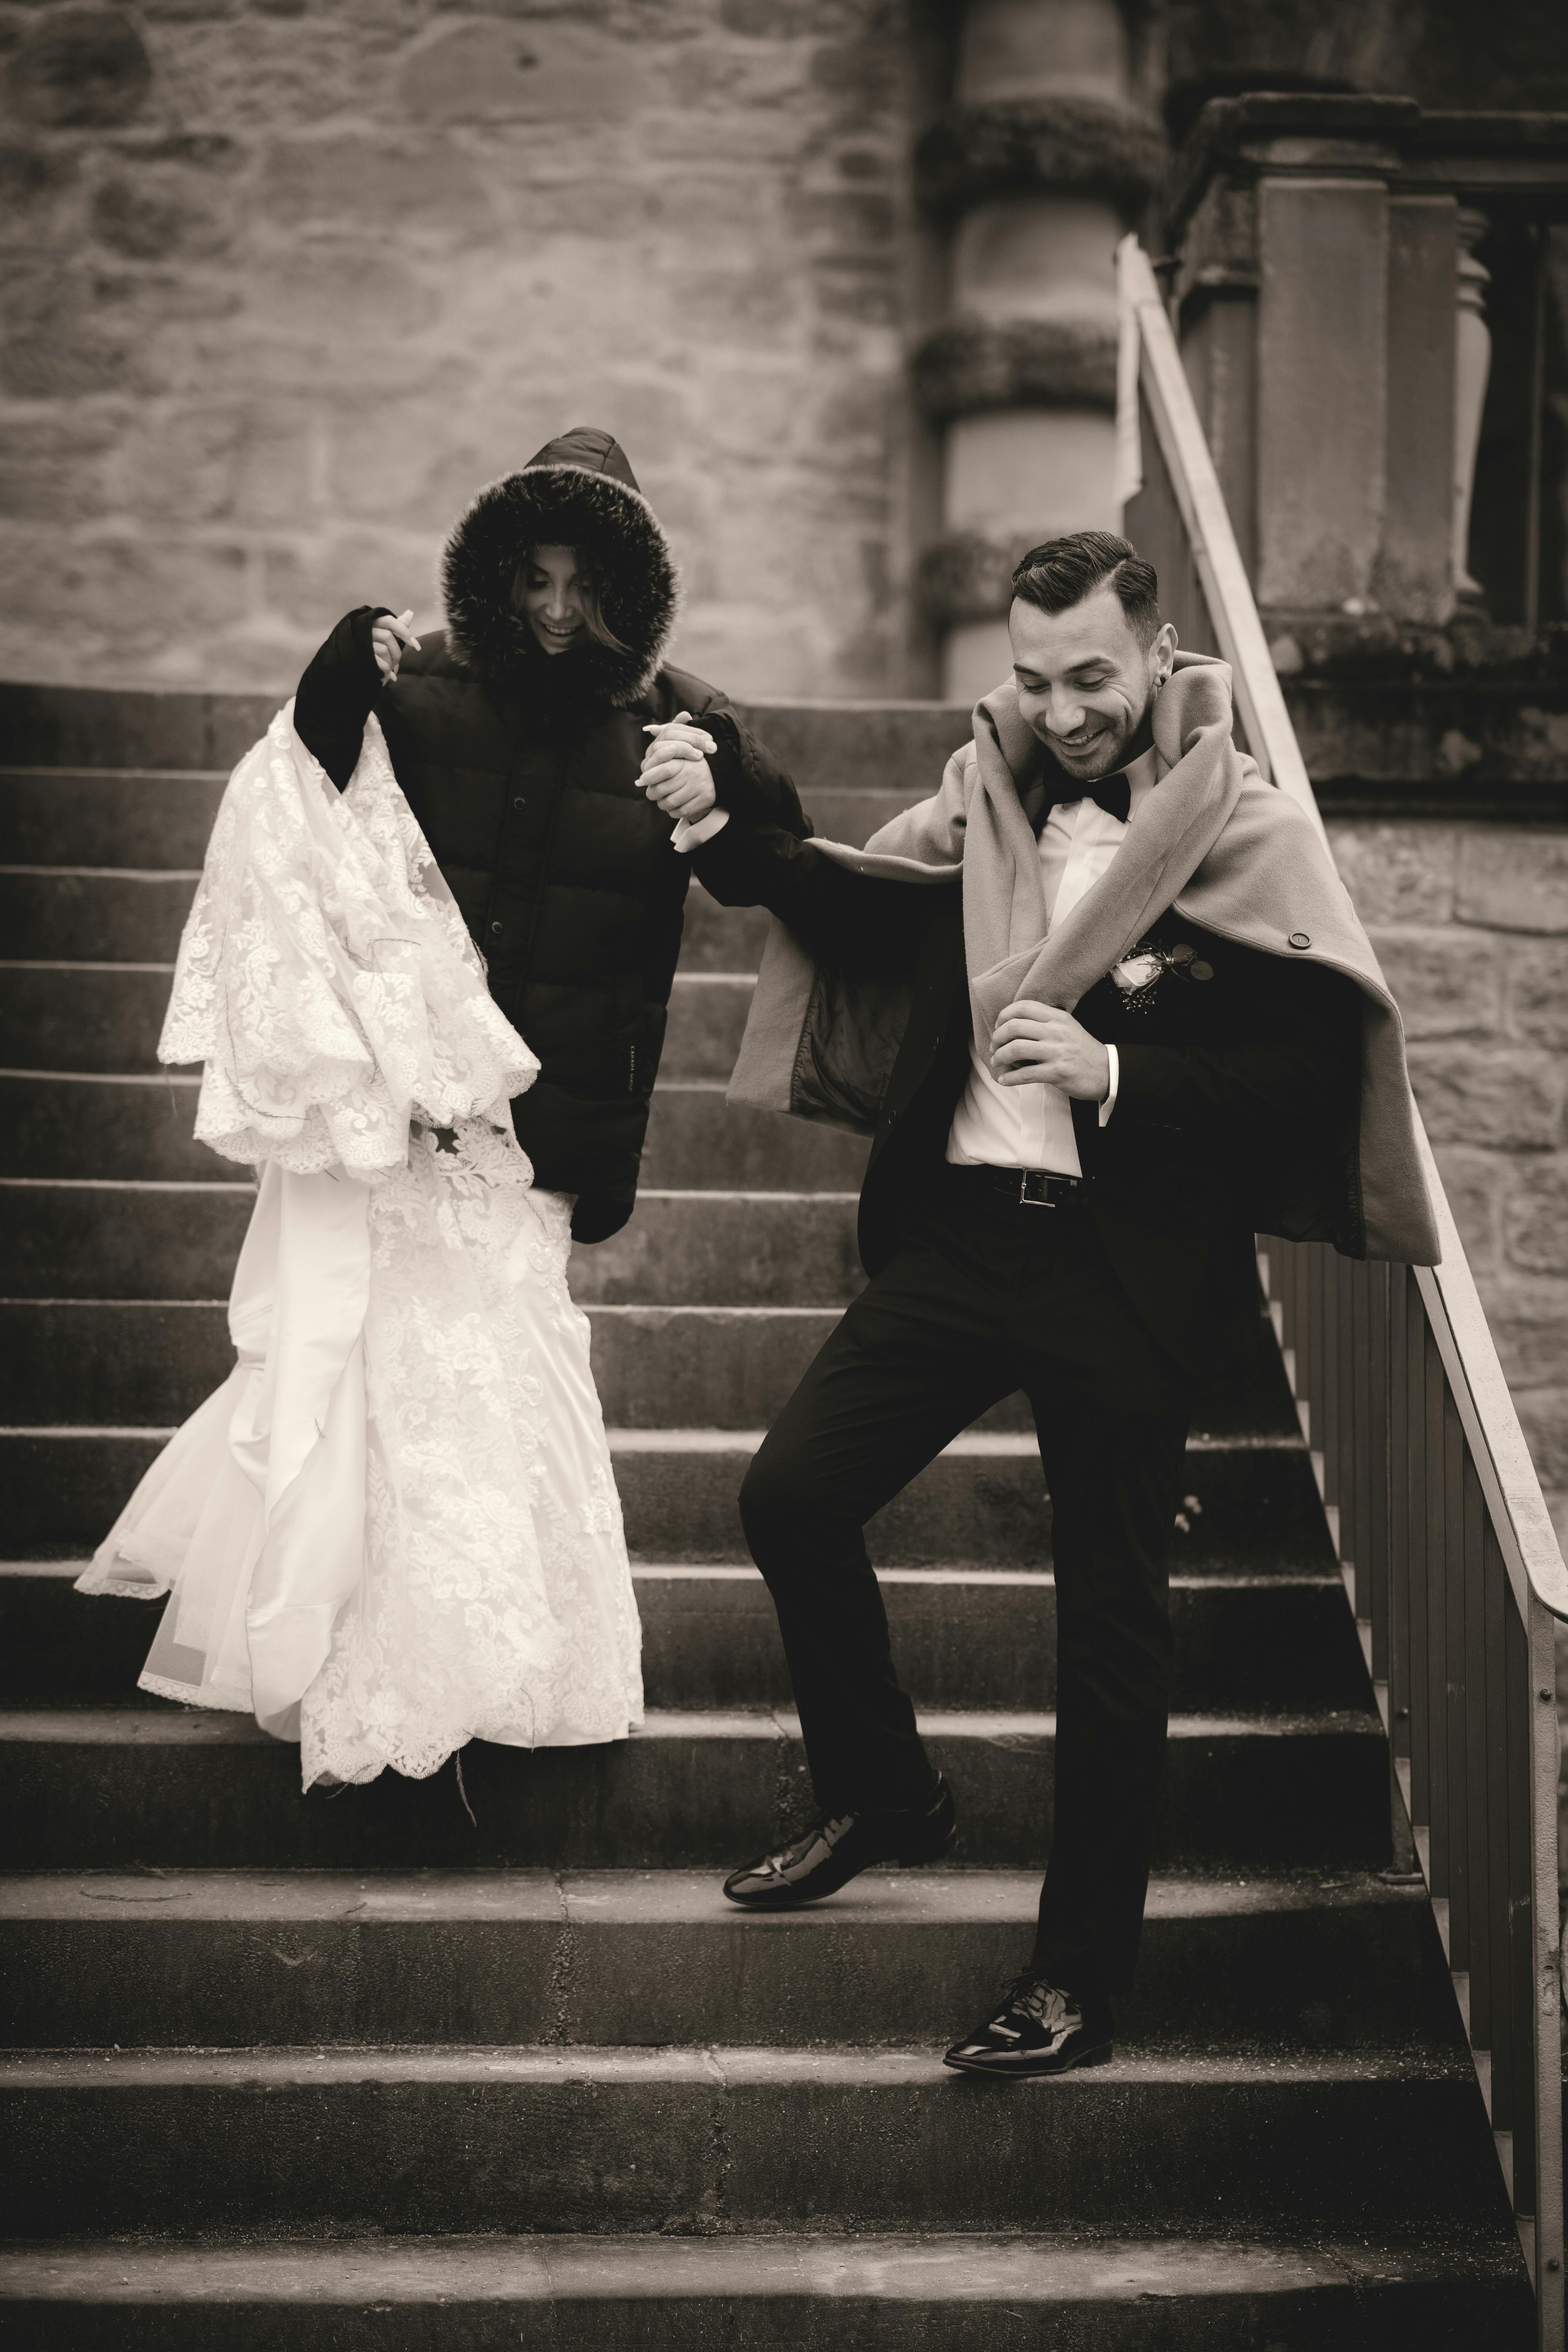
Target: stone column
<point x="1035" y="172"/>
<point x="1472" y="366"/>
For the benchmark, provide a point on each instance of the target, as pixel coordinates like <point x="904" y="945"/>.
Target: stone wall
<point x="283" y="281"/>
<point x="1471" y="921"/>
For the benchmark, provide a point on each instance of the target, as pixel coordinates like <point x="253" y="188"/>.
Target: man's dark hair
<point x="1063" y="572"/>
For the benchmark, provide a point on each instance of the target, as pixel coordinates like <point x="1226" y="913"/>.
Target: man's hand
<point x="1041" y="1046"/>
<point x="675" y="771"/>
<point x="388" y="637"/>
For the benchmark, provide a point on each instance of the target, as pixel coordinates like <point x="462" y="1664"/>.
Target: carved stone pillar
<point x="1472" y="366"/>
<point x="1035" y="172"/>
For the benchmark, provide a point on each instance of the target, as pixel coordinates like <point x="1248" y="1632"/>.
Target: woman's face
<point x="549" y="592"/>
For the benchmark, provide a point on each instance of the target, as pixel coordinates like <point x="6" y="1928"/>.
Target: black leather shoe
<point x="830" y="1853"/>
<point x="1038" y="2030"/>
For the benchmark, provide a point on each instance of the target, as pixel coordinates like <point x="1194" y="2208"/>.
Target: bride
<point x="394" y="1528"/>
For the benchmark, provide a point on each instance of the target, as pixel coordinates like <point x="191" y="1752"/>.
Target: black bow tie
<point x="1112" y="793"/>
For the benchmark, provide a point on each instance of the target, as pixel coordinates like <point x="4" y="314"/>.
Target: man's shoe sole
<point x="1099" y="2053"/>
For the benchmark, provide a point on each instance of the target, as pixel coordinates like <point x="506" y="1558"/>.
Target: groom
<point x="1095" y="1100"/>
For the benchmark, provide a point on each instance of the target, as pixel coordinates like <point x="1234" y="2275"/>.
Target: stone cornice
<point x="1016" y="146"/>
<point x="974" y="365"/>
<point x="1286" y="134"/>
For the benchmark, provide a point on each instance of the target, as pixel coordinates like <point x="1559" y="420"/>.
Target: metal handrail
<point x="1360" y="1371"/>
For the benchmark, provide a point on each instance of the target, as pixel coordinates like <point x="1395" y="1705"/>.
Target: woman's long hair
<point x="593" y="619"/>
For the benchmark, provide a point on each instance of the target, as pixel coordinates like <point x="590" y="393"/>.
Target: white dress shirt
<point x="1031" y="1126"/>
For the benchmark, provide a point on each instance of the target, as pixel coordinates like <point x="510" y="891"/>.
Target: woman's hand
<point x="388" y="637"/>
<point x="675" y="771"/>
<point x="1041" y="1046"/>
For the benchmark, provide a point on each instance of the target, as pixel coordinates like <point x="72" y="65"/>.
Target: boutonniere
<point x="1138" y="975"/>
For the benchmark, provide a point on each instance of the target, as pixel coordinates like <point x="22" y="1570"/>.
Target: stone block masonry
<point x="1471" y="921"/>
<point x="284" y="281"/>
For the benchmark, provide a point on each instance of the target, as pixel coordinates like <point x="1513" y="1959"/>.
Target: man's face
<point x="1084" y="680"/>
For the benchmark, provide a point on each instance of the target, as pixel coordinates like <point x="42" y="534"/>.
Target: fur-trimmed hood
<point x="579" y="491"/>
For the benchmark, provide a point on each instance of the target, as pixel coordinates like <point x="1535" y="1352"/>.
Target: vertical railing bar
<point x="1546" y="1979"/>
<point x="1347" y="1386"/>
<point x="1398" y="1515"/>
<point x="1505" y="2023"/>
<point x="1377" y="1507"/>
<point x="1452" y="1574"/>
<point x="1521" y="1970"/>
<point x="1478" y="1752"/>
<point x="1420" y="1632"/>
<point x="1437" y="1873"/>
<point x="1327" y="1438"/>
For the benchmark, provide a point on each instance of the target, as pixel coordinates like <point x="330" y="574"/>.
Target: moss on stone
<point x="974" y="365"/>
<point x="1011" y="146"/>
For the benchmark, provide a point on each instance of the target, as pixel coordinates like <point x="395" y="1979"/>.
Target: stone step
<point x="773" y="2293"/>
<point x="84" y="1239"/>
<point x="152" y="1361"/>
<point x="181" y="1788"/>
<point x="109" y="913"/>
<point x="94" y="914"/>
<point x="982" y="1501"/>
<point x="150" y="819"/>
<point x="106" y="1018"/>
<point x="698" y="1142"/>
<point x="139" y="818"/>
<point x="896" y="747"/>
<point x="132" y="1127"/>
<point x="238" y="1959"/>
<point x="693" y="2140"/>
<point x="963" y="1638"/>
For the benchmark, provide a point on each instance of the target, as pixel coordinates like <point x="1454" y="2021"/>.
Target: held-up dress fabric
<point x="394" y="1528"/>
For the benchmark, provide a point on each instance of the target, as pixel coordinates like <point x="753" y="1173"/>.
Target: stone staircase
<point x="358" y="2071"/>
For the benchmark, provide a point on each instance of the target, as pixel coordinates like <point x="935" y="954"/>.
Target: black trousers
<point x="982" y="1299"/>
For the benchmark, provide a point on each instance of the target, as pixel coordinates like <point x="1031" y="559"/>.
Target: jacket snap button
<point x="1299" y="939"/>
<point x="519" y="802"/>
<point x="496" y="927"/>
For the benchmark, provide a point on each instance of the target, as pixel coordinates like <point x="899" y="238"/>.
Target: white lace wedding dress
<point x="394" y="1528"/>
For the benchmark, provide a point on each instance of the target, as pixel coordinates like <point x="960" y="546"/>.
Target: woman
<point x="518" y="736"/>
<point x="395" y="1526"/>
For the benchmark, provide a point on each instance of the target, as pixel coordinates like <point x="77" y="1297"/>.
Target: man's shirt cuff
<point x="1108" y="1104"/>
<point x="688" y="837"/>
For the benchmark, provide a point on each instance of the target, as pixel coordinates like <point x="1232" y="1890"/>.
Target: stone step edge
<point x="948" y="2268"/>
<point x="103" y="873"/>
<point x="702" y="2065"/>
<point x="184" y="1076"/>
<point x="654" y="1571"/>
<point x="132" y="1727"/>
<point x="585" y="1900"/>
<point x="978" y="1446"/>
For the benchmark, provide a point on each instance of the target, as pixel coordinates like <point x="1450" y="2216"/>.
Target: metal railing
<point x="1449" y="1560"/>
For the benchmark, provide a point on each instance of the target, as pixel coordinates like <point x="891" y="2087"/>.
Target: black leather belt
<point x="1022" y="1188"/>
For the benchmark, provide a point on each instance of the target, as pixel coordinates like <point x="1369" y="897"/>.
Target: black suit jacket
<point x="1236" y="1060"/>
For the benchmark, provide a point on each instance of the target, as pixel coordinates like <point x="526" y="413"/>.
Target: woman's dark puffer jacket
<point x="521" y="768"/>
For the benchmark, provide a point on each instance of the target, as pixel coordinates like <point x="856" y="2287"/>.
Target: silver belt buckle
<point x="1028" y="1200"/>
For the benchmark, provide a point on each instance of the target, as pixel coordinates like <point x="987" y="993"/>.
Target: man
<point x="1085" y="1099"/>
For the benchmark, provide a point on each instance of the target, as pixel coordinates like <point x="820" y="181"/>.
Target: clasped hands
<point x="675" y="771"/>
<point x="1040" y="1045"/>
